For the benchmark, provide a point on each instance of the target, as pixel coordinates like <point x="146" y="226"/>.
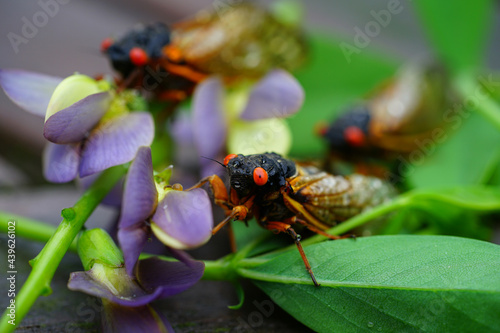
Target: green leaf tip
<point x="241" y="296"/>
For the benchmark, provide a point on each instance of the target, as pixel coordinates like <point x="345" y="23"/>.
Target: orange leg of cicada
<point x="233" y="210"/>
<point x="184" y="70"/>
<point x="219" y="191"/>
<point x="287" y="228"/>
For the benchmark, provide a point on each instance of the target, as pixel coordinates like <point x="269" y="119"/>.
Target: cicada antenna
<point x="211" y="159"/>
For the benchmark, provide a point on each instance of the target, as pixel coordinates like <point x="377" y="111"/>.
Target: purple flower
<point x="88" y="125"/>
<point x="126" y="298"/>
<point x="244" y="119"/>
<point x="179" y="219"/>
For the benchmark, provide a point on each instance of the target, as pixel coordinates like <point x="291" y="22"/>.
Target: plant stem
<point x="479" y="96"/>
<point x="218" y="270"/>
<point x="30" y="229"/>
<point x="47" y="261"/>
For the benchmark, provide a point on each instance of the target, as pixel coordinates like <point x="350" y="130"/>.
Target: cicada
<point x="138" y="57"/>
<point x="398" y="117"/>
<point x="280" y="193"/>
<point x="242" y="41"/>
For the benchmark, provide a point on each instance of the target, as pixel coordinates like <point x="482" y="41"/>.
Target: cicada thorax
<point x="241" y="40"/>
<point x="324" y="199"/>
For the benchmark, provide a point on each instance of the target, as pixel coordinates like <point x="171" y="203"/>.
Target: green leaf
<point x="465" y="158"/>
<point x="458" y="29"/>
<point x="246" y="234"/>
<point x="481" y="198"/>
<point x="389" y="284"/>
<point x="457" y="211"/>
<point x="331" y="82"/>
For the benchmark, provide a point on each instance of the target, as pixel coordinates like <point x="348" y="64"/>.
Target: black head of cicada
<point x="137" y="48"/>
<point x="259" y="173"/>
<point x="350" y="130"/>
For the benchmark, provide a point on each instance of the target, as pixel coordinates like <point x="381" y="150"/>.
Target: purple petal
<point x="116" y="142"/>
<point x="181" y="129"/>
<point x="73" y="123"/>
<point x="277" y="95"/>
<point x="143" y="319"/>
<point x="114" y="197"/>
<point x="140" y="196"/>
<point x="169" y="277"/>
<point x="209" y="123"/>
<point x="132" y="240"/>
<point x="29" y="90"/>
<point x="60" y="162"/>
<point x="86" y="282"/>
<point x="183" y="257"/>
<point x="185" y="219"/>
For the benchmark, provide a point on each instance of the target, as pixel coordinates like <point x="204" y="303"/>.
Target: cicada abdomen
<point x="327" y="199"/>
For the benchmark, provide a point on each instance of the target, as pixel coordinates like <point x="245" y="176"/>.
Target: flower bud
<point x="73" y="89"/>
<point x="96" y="246"/>
<point x="256" y="137"/>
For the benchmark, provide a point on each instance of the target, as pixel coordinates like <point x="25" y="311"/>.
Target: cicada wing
<point x="409" y="108"/>
<point x="323" y="199"/>
<point x="240" y="40"/>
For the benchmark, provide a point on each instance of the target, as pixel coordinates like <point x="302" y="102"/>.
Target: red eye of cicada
<point x="138" y="56"/>
<point x="228" y="158"/>
<point x="260" y="176"/>
<point x="106" y="43"/>
<point x="354" y="136"/>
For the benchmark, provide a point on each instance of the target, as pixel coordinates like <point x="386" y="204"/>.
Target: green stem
<point x="480" y="96"/>
<point x="47" y="261"/>
<point x="30" y="229"/>
<point x="219" y="270"/>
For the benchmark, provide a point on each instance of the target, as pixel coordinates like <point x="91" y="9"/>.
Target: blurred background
<point x="70" y="42"/>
